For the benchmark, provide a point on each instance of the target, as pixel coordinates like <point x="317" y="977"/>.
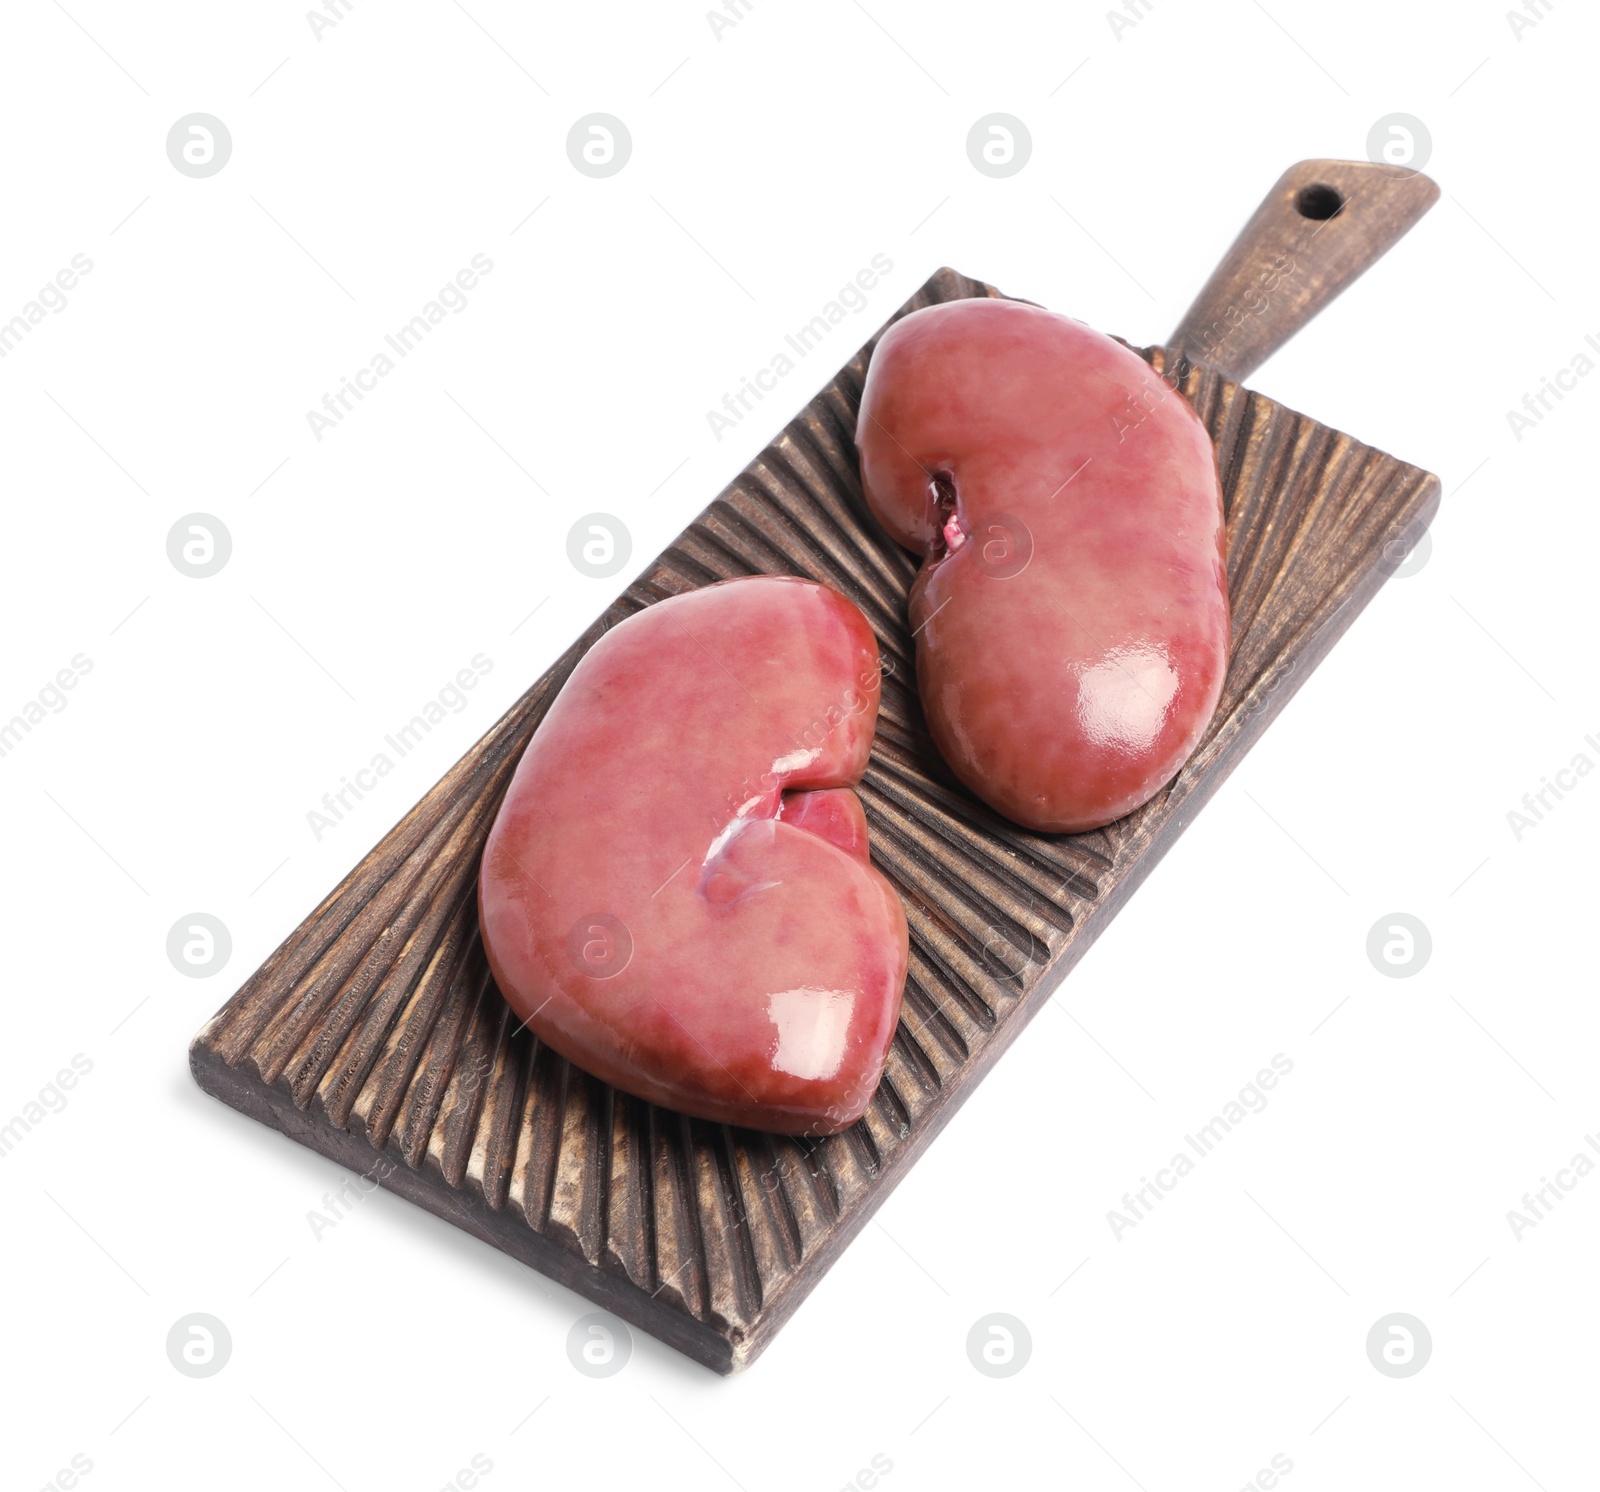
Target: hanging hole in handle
<point x="1319" y="201"/>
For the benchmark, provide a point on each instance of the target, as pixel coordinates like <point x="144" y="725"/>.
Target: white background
<point x="769" y="164"/>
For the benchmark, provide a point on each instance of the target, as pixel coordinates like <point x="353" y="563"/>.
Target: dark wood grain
<point x="376" y="1036"/>
<point x="1322" y="226"/>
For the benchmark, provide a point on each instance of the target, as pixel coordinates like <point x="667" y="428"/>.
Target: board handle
<point x="1323" y="225"/>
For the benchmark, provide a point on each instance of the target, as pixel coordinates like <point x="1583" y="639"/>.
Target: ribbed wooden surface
<point x="375" y="1031"/>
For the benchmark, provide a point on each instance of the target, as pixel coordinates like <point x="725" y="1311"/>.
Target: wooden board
<point x="376" y="1036"/>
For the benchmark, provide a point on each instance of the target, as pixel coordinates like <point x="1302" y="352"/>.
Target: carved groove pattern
<point x="376" y="1035"/>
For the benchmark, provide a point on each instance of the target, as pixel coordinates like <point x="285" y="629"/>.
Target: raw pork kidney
<point x="1071" y="613"/>
<point x="676" y="894"/>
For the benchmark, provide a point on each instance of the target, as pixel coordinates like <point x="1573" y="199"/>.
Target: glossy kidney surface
<point x="1071" y="612"/>
<point x="676" y="894"/>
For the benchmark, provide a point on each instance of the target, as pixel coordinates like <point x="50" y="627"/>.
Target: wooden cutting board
<point x="376" y="1036"/>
